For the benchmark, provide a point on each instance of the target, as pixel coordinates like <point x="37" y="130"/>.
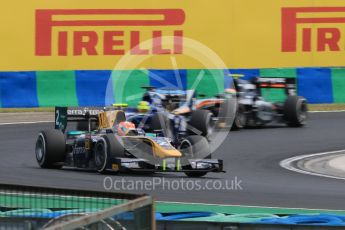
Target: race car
<point x="117" y="145"/>
<point x="222" y="106"/>
<point x="177" y="111"/>
<point x="253" y="110"/>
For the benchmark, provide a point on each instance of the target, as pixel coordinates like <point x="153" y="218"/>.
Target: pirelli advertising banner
<point x="157" y="34"/>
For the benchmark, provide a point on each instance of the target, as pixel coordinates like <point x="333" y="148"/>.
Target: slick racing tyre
<point x="240" y="120"/>
<point x="295" y="111"/>
<point x="226" y="113"/>
<point x="195" y="147"/>
<point x="107" y="148"/>
<point x="160" y="121"/>
<point x="50" y="149"/>
<point x="201" y="121"/>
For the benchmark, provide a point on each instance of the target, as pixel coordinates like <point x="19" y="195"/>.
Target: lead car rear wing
<point x="289" y="84"/>
<point x="63" y="115"/>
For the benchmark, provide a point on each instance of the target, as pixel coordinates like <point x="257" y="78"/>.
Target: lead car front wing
<point x="166" y="165"/>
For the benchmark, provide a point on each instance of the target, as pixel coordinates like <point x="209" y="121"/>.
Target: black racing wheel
<point x="194" y="147"/>
<point x="240" y="120"/>
<point x="295" y="111"/>
<point x="107" y="147"/>
<point x="50" y="149"/>
<point x="160" y="121"/>
<point x="201" y="123"/>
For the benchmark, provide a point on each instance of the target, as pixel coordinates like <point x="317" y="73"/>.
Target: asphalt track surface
<point x="251" y="155"/>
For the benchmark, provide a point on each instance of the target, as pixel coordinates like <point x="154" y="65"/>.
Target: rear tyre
<point x="226" y="113"/>
<point x="201" y="121"/>
<point x="50" y="149"/>
<point x="240" y="120"/>
<point x="107" y="148"/>
<point x="160" y="121"/>
<point x="295" y="111"/>
<point x="195" y="147"/>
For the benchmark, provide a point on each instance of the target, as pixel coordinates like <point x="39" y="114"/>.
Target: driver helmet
<point x="143" y="107"/>
<point x="125" y="127"/>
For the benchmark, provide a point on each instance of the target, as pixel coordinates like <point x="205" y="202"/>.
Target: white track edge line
<point x="26" y="122"/>
<point x="331" y="111"/>
<point x="287" y="164"/>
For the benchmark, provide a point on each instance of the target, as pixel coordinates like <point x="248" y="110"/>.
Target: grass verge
<point x="326" y="107"/>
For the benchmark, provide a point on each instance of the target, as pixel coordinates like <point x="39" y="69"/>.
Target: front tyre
<point x="107" y="147"/>
<point x="194" y="147"/>
<point x="201" y="122"/>
<point x="50" y="149"/>
<point x="295" y="111"/>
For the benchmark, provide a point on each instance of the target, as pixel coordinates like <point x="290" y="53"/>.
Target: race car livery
<point x="104" y="148"/>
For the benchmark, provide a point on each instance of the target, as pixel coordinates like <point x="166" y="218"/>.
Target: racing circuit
<point x="251" y="155"/>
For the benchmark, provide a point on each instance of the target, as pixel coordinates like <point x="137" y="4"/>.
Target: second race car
<point x="254" y="110"/>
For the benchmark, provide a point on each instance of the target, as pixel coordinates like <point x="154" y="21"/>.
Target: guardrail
<point x="30" y="207"/>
